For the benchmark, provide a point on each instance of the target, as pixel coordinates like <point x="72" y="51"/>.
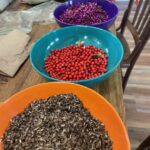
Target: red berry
<point x="75" y="63"/>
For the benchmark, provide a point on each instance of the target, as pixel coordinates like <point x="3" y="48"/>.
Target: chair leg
<point x="145" y="145"/>
<point x="126" y="77"/>
<point x="133" y="58"/>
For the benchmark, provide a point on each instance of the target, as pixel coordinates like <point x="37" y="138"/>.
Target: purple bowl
<point x="110" y="8"/>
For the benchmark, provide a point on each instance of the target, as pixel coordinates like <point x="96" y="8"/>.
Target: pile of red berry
<point x="76" y="62"/>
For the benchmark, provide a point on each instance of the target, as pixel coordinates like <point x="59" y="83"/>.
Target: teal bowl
<point x="70" y="35"/>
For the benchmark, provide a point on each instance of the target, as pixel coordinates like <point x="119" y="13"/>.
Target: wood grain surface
<point x="111" y="88"/>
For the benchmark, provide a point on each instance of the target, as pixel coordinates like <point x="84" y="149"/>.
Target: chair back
<point x="139" y="26"/>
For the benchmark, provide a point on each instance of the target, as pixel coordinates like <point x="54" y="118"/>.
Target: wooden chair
<point x="145" y="144"/>
<point x="139" y="27"/>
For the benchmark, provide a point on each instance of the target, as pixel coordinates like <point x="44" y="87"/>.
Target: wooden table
<point x="111" y="88"/>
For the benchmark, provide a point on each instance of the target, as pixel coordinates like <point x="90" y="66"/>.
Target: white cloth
<point x="13" y="52"/>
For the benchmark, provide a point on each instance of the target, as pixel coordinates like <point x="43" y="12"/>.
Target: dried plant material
<point x="98" y="55"/>
<point x="80" y="43"/>
<point x="88" y="13"/>
<point x="59" y="123"/>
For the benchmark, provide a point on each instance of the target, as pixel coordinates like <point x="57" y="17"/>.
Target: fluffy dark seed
<point x="58" y="123"/>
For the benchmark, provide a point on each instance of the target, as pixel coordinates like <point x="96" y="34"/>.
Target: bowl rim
<point x="10" y="99"/>
<point x="77" y="81"/>
<point x="95" y="24"/>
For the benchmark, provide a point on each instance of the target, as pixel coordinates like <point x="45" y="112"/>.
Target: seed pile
<point x="59" y="123"/>
<point x="85" y="14"/>
<point x="76" y="62"/>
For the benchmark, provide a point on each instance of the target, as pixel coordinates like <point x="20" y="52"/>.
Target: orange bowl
<point x="96" y="104"/>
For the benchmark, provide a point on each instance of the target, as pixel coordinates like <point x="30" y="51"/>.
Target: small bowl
<point x="70" y="35"/>
<point x="95" y="103"/>
<point x="110" y="8"/>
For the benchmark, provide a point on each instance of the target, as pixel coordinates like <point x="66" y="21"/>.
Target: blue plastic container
<point x="109" y="7"/>
<point x="70" y="35"/>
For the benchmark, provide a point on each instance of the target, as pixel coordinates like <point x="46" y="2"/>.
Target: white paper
<point x="4" y="4"/>
<point x="13" y="52"/>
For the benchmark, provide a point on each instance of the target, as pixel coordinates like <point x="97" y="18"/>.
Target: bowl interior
<point x="95" y="103"/>
<point x="110" y="8"/>
<point x="70" y="35"/>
